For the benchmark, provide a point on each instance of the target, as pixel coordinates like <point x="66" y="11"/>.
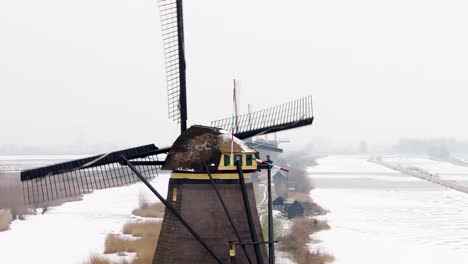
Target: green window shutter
<point x="249" y="160"/>
<point x="227" y="160"/>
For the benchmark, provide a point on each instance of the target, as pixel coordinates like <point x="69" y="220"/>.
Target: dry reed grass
<point x="300" y="180"/>
<point x="145" y="233"/>
<point x="11" y="193"/>
<point x="142" y="229"/>
<point x="5" y="220"/>
<point x="96" y="259"/>
<point x="155" y="210"/>
<point x="310" y="207"/>
<point x="296" y="241"/>
<point x="144" y="246"/>
<point x="12" y="196"/>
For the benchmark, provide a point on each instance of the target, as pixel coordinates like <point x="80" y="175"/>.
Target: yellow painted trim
<point x="174" y="194"/>
<point x="232" y="250"/>
<point x="204" y="176"/>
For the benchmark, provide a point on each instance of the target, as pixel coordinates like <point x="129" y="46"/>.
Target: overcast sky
<point x="91" y="71"/>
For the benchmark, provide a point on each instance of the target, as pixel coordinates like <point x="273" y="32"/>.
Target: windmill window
<point x="249" y="160"/>
<point x="227" y="160"/>
<point x="238" y="157"/>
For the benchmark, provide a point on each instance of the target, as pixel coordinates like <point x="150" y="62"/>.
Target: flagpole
<point x="234" y="114"/>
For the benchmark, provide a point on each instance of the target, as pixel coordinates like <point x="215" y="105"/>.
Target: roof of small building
<point x="295" y="205"/>
<point x="279" y="175"/>
<point x="200" y="144"/>
<point x="279" y="201"/>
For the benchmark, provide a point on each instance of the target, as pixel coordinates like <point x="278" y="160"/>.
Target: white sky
<point x="91" y="71"/>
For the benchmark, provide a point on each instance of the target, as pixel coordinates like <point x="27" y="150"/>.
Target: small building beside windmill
<point x="291" y="209"/>
<point x="296" y="209"/>
<point x="278" y="204"/>
<point x="280" y="182"/>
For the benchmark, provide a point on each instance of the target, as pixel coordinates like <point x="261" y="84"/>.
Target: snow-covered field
<point x="381" y="216"/>
<point x="377" y="216"/>
<point x="70" y="233"/>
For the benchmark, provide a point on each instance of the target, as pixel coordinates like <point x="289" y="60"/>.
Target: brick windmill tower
<point x="211" y="214"/>
<point x="191" y="192"/>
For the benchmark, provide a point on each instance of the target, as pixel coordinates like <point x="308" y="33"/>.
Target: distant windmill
<point x="197" y="161"/>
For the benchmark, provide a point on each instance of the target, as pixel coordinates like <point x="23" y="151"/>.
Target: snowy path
<point x="427" y="176"/>
<point x="72" y="232"/>
<point x="445" y="170"/>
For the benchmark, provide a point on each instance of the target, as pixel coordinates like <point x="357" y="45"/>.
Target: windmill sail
<point x="172" y="28"/>
<point x="76" y="177"/>
<point x="290" y="115"/>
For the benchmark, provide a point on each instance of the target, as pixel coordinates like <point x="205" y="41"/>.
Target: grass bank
<point x="139" y="237"/>
<point x="5" y="220"/>
<point x="295" y="242"/>
<point x="145" y="238"/>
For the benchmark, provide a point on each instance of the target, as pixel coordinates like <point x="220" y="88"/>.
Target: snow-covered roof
<point x="200" y="144"/>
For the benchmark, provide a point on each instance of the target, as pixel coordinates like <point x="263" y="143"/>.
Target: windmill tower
<point x="211" y="213"/>
<point x="191" y="192"/>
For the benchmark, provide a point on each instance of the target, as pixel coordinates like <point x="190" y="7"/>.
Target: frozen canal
<point x="381" y="216"/>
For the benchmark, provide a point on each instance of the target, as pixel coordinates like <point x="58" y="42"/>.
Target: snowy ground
<point x="377" y="216"/>
<point x="380" y="216"/>
<point x="72" y="232"/>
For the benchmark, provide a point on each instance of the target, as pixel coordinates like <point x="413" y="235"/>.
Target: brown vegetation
<point x="144" y="238"/>
<point x="298" y="159"/>
<point x="13" y="198"/>
<point x="310" y="207"/>
<point x="144" y="246"/>
<point x="11" y="193"/>
<point x="296" y="241"/>
<point x="5" y="220"/>
<point x="96" y="259"/>
<point x="300" y="180"/>
<point x="142" y="229"/>
<point x="155" y="210"/>
<point x="297" y="162"/>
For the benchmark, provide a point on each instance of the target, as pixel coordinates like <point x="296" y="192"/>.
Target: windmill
<point x="201" y="165"/>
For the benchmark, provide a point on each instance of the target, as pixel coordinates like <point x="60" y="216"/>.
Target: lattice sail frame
<point x="66" y="180"/>
<point x="290" y="115"/>
<point x="171" y="43"/>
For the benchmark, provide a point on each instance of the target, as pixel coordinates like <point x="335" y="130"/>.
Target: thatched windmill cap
<point x="200" y="144"/>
